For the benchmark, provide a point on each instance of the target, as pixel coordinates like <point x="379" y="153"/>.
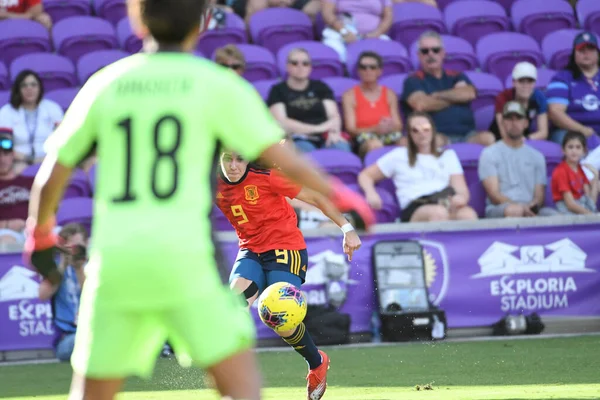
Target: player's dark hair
<point x="171" y="21"/>
<point x="371" y="54"/>
<point x="572" y="135"/>
<point x="15" y="92"/>
<point x="412" y="147"/>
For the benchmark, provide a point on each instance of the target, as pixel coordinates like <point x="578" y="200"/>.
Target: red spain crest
<point x="251" y="193"/>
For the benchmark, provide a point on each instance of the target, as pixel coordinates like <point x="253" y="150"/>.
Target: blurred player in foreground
<point x="272" y="248"/>
<point x="155" y="121"/>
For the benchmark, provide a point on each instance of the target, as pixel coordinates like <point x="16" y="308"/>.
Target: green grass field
<point x="556" y="368"/>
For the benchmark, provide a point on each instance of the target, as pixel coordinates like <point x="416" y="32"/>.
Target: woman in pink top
<point x="351" y="20"/>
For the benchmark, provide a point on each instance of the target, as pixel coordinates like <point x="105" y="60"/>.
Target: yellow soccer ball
<point x="282" y="307"/>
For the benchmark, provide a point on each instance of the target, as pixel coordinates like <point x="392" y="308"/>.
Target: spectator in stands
<point x="432" y="3"/>
<point x="573" y="97"/>
<point x="513" y="173"/>
<point x="430" y="185"/>
<point x="246" y="8"/>
<point x="444" y="94"/>
<point x="351" y="20"/>
<point x="14" y="193"/>
<point x="533" y="100"/>
<point x="25" y="9"/>
<point x="30" y="117"/>
<point x="230" y="56"/>
<point x="572" y="192"/>
<point x="65" y="296"/>
<point x="371" y="113"/>
<point x="306" y="108"/>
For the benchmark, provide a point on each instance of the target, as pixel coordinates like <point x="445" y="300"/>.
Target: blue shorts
<point x="271" y="267"/>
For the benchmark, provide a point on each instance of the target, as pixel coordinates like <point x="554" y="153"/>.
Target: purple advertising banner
<point x="475" y="276"/>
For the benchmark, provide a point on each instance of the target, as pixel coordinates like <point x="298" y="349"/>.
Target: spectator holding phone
<point x="65" y="296"/>
<point x="513" y="174"/>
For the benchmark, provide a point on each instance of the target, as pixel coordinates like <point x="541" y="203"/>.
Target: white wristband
<point x="347" y="228"/>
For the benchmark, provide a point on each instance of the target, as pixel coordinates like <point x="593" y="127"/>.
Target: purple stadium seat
<point x="488" y="86"/>
<point x="233" y="32"/>
<point x="61" y="9"/>
<point x="264" y="87"/>
<point x="484" y="117"/>
<point x="21" y="36"/>
<point x="90" y="63"/>
<point x="544" y="77"/>
<point x="4" y="80"/>
<point x="56" y="72"/>
<point x="127" y="39"/>
<point x="63" y="97"/>
<point x="343" y="164"/>
<point x="499" y="52"/>
<point x="273" y="28"/>
<point x="260" y="62"/>
<point x="460" y="55"/>
<point x="4" y="97"/>
<point x="76" y="36"/>
<point x="507" y="4"/>
<point x="558" y="46"/>
<point x="372" y="157"/>
<point x="92" y="177"/>
<point x="395" y="56"/>
<point x="390" y="210"/>
<point x="111" y="10"/>
<point x="412" y="19"/>
<point x="339" y="85"/>
<point x="79" y="185"/>
<point x="75" y="209"/>
<point x="473" y="19"/>
<point x="31" y="170"/>
<point x="552" y="152"/>
<point x="396" y="84"/>
<point x="588" y="14"/>
<point x="468" y="154"/>
<point x="537" y="18"/>
<point x="325" y="61"/>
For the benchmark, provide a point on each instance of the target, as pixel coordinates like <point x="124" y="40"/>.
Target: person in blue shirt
<point x="65" y="296"/>
<point x="574" y="93"/>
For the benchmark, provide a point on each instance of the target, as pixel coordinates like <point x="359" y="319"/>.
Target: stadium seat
<point x="21" y="36"/>
<point x="552" y="152"/>
<point x="273" y="28"/>
<point x="56" y="72"/>
<point x="339" y="85"/>
<point x="31" y="170"/>
<point x="92" y="177"/>
<point x="4" y="79"/>
<point x="111" y="10"/>
<point x="263" y="87"/>
<point x="78" y="186"/>
<point x="412" y="19"/>
<point x="260" y="62"/>
<point x="484" y="117"/>
<point x="325" y="61"/>
<point x="63" y="97"/>
<point x="537" y="18"/>
<point x="76" y="36"/>
<point x="75" y="210"/>
<point x="507" y="4"/>
<point x="558" y="46"/>
<point x="342" y="164"/>
<point x="61" y="9"/>
<point x="90" y="63"/>
<point x="468" y="154"/>
<point x="233" y="32"/>
<point x="588" y="14"/>
<point x="4" y="97"/>
<point x="488" y="86"/>
<point x="499" y="52"/>
<point x="372" y="157"/>
<point x="396" y="84"/>
<point x="460" y="55"/>
<point x="544" y="77"/>
<point x="127" y="39"/>
<point x="474" y="19"/>
<point x="219" y="221"/>
<point x="395" y="56"/>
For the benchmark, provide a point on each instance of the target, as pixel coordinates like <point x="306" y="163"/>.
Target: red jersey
<point x="564" y="179"/>
<point x="18" y="6"/>
<point x="257" y="209"/>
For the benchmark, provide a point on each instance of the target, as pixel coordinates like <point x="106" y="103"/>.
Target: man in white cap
<point x="513" y="174"/>
<point x="532" y="99"/>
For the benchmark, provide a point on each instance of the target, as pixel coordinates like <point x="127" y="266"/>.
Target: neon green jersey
<point x="155" y="121"/>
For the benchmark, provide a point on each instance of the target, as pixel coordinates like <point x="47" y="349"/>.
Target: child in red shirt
<point x="572" y="192"/>
<point x="25" y="9"/>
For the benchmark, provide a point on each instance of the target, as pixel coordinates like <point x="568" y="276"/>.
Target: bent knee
<point x="514" y="210"/>
<point x="466" y="213"/>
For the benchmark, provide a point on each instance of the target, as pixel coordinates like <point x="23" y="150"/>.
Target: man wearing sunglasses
<point x="445" y="95"/>
<point x="14" y="190"/>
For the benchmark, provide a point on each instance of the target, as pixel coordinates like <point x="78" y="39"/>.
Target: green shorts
<point x="114" y="342"/>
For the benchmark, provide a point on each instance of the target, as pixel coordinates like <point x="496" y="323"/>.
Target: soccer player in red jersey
<point x="272" y="248"/>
